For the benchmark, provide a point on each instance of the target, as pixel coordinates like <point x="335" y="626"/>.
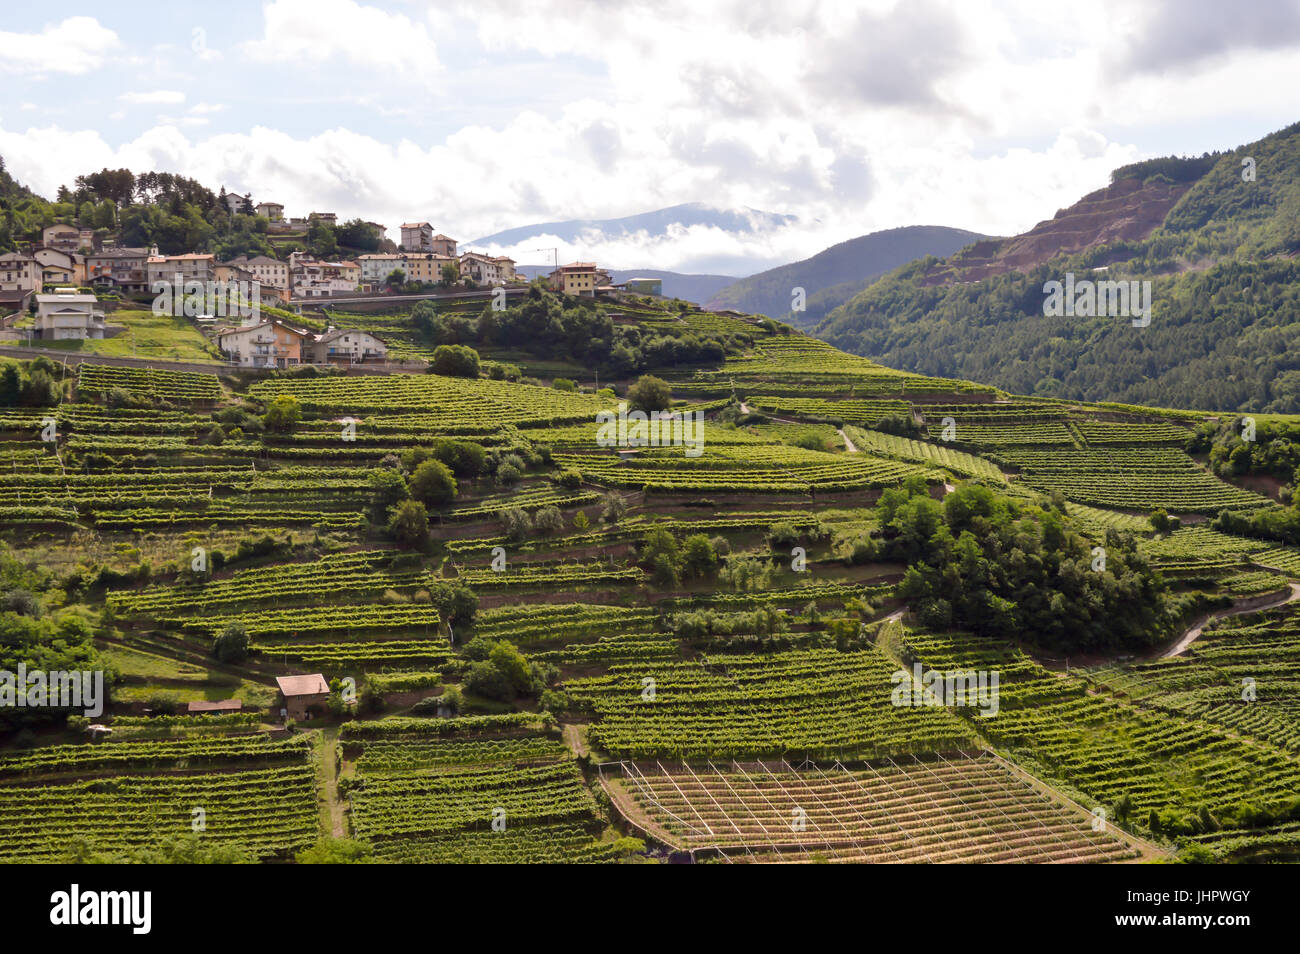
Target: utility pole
<point x="554" y="251"/>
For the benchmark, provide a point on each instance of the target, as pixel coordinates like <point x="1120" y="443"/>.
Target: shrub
<point x="282" y="414"/>
<point x="745" y="574"/>
<point x="650" y="394"/>
<point x="516" y="524"/>
<point x="166" y="703"/>
<point x="456" y="361"/>
<point x="387" y="489"/>
<point x="409" y="524"/>
<point x="548" y="520"/>
<point x="612" y="509"/>
<point x="782" y="536"/>
<point x="554" y="701"/>
<point x="698" y="555"/>
<point x="456" y="602"/>
<point x="432" y="483"/>
<point x="487" y="680"/>
<point x="232" y="644"/>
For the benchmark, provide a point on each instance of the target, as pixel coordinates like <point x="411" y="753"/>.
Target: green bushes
<point x="455" y="361"/>
<point x="409" y="523"/>
<point x="501" y="672"/>
<point x="432" y="483"/>
<point x="231" y="646"/>
<point x="997" y="567"/>
<point x="282" y="414"/>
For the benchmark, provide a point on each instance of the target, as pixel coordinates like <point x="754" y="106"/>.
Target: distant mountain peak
<point x="836" y="274"/>
<point x="655" y="222"/>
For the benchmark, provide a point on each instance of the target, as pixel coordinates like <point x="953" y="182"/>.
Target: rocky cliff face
<point x="1126" y="210"/>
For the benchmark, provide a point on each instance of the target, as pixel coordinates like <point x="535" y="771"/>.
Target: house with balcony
<point x="264" y="343"/>
<point x="417" y="237"/>
<point x="425" y="266"/>
<point x="578" y="278"/>
<point x="19" y="272"/>
<point x="487" y="269"/>
<point x="58" y="267"/>
<point x="66" y="238"/>
<point x="120" y="269"/>
<point x="67" y="314"/>
<point x="312" y="278"/>
<point x="347" y="346"/>
<point x="190" y="267"/>
<point x="376" y="267"/>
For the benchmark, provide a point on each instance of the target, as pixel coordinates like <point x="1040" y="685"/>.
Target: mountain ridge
<point x="834" y="274"/>
<point x="1224" y="269"/>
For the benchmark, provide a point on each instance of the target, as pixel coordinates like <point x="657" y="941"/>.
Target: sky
<point x="483" y="116"/>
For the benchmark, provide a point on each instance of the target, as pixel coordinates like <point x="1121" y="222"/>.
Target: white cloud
<point x="76" y="45"/>
<point x="170" y="97"/>
<point x="732" y="103"/>
<point x="320" y="31"/>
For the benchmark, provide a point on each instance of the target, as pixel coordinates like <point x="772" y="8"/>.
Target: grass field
<point x="146" y="335"/>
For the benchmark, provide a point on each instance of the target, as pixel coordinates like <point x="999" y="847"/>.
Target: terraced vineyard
<point x="439" y="401"/>
<point x="741" y="470"/>
<point x="715" y="635"/>
<point x="849" y="410"/>
<point x="486" y="794"/>
<point x="808" y="703"/>
<point x="923" y="452"/>
<point x="946" y="809"/>
<point x="1130" y="479"/>
<point x="172" y="386"/>
<point x="262" y="801"/>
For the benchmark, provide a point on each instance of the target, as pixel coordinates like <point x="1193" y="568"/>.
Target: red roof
<point x="312" y="685"/>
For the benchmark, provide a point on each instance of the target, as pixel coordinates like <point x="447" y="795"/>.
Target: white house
<point x="269" y="271"/>
<point x="481" y="269"/>
<point x="265" y="344"/>
<point x="19" y="272"/>
<point x="236" y="203"/>
<point x="66" y="238"/>
<point x="66" y="314"/>
<point x="378" y="266"/>
<point x="316" y="279"/>
<point x="192" y="266"/>
<point x="347" y="346"/>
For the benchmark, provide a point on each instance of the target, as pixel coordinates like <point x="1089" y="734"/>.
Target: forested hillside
<point x="1224" y="331"/>
<point x="175" y="213"/>
<point x="835" y="275"/>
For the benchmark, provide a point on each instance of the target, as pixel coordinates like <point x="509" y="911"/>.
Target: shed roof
<point x="307" y="685"/>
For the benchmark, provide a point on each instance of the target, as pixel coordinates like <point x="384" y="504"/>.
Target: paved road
<point x="76" y="358"/>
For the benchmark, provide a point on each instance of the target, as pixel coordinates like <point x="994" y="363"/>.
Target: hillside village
<point x="66" y="277"/>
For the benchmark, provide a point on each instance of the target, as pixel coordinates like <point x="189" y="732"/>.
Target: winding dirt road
<point x="1190" y="636"/>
